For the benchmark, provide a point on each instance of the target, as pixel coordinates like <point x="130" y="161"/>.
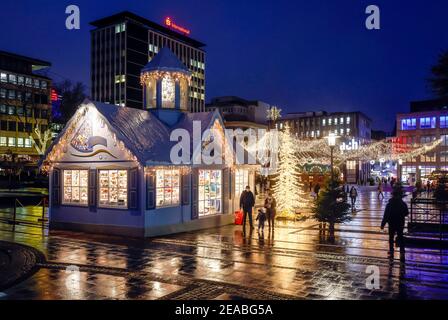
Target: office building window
<point x="120" y="28"/>
<point x="11" y="142"/>
<point x="3" y="93"/>
<point x="342" y="120"/>
<point x="28" y="143"/>
<point x="409" y="124"/>
<point x="2" y="141"/>
<point x="431" y="156"/>
<point x="20" y="80"/>
<point x="28" y="82"/>
<point x="444" y="156"/>
<point x="11" y="110"/>
<point x="43" y="84"/>
<point x="13" y="79"/>
<point x="444" y="122"/>
<point x="3" y="77"/>
<point x="20" y="142"/>
<point x="11" y="94"/>
<point x="444" y="140"/>
<point x="428" y="123"/>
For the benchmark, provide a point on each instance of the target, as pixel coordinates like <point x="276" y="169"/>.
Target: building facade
<point x="236" y="109"/>
<point x="353" y="129"/>
<point x="122" y="44"/>
<point x="24" y="106"/>
<point x="427" y="122"/>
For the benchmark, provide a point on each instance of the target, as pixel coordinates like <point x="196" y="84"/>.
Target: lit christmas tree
<point x="288" y="190"/>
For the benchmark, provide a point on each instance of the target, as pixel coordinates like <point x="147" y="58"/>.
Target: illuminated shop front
<point x="112" y="172"/>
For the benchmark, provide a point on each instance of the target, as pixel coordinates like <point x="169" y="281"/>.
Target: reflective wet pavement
<point x="294" y="262"/>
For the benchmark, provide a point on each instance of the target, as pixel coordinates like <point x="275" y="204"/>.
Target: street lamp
<point x="332" y="144"/>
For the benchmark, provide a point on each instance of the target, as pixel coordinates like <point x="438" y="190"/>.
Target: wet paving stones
<point x="294" y="262"/>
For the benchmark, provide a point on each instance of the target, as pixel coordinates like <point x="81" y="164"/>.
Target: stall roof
<point x="142" y="132"/>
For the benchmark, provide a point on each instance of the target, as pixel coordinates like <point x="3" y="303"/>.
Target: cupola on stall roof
<point x="165" y="80"/>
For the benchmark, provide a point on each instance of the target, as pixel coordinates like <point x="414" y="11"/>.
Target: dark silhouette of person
<point x="394" y="216"/>
<point x="317" y="189"/>
<point x="270" y="205"/>
<point x="247" y="202"/>
<point x="353" y="196"/>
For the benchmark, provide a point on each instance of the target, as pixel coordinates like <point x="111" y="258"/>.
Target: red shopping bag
<point x="239" y="218"/>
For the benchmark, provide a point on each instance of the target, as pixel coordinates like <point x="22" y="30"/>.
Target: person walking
<point x="353" y="197"/>
<point x="380" y="191"/>
<point x="247" y="202"/>
<point x="261" y="218"/>
<point x="394" y="216"/>
<point x="317" y="190"/>
<point x="270" y="206"/>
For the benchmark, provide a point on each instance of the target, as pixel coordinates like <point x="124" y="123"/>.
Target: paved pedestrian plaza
<point x="293" y="262"/>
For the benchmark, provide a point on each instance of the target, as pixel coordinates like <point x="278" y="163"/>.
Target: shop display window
<point x="75" y="186"/>
<point x="241" y="181"/>
<point x="168" y="187"/>
<point x="113" y="189"/>
<point x="210" y="192"/>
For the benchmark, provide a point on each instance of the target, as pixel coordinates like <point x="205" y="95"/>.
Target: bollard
<point x="43" y="211"/>
<point x="14" y="218"/>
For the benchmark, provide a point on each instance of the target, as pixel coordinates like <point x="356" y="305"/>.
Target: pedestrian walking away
<point x="247" y="202"/>
<point x="353" y="197"/>
<point x="394" y="216"/>
<point x="270" y="206"/>
<point x="380" y="191"/>
<point x="317" y="190"/>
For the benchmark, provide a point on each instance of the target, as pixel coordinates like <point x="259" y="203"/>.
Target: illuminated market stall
<point x="111" y="168"/>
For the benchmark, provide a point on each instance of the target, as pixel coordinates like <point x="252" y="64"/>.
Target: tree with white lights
<point x="288" y="190"/>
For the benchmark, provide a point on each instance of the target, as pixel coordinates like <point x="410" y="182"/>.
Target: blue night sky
<point x="299" y="55"/>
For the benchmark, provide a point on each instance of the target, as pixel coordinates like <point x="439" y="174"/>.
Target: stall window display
<point x="113" y="189"/>
<point x="75" y="187"/>
<point x="210" y="192"/>
<point x="168" y="186"/>
<point x="241" y="181"/>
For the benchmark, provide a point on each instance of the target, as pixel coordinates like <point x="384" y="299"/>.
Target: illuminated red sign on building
<point x="169" y="23"/>
<point x="54" y="95"/>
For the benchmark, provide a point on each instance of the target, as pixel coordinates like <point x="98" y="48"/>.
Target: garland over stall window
<point x="75" y="186"/>
<point x="113" y="189"/>
<point x="168" y="186"/>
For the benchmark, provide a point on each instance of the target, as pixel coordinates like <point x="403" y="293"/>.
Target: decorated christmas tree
<point x="331" y="206"/>
<point x="288" y="189"/>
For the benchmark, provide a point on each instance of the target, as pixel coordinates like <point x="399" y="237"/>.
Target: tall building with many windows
<point x="427" y="122"/>
<point x="24" y="106"/>
<point x="122" y="44"/>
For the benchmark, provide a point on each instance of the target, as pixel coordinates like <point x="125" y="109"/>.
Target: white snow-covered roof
<point x="166" y="60"/>
<point x="142" y="132"/>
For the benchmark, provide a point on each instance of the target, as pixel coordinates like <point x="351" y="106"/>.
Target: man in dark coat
<point x="395" y="215"/>
<point x="247" y="202"/>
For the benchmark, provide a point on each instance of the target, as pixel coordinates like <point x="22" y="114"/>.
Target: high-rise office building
<point x="122" y="44"/>
<point x="24" y="107"/>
